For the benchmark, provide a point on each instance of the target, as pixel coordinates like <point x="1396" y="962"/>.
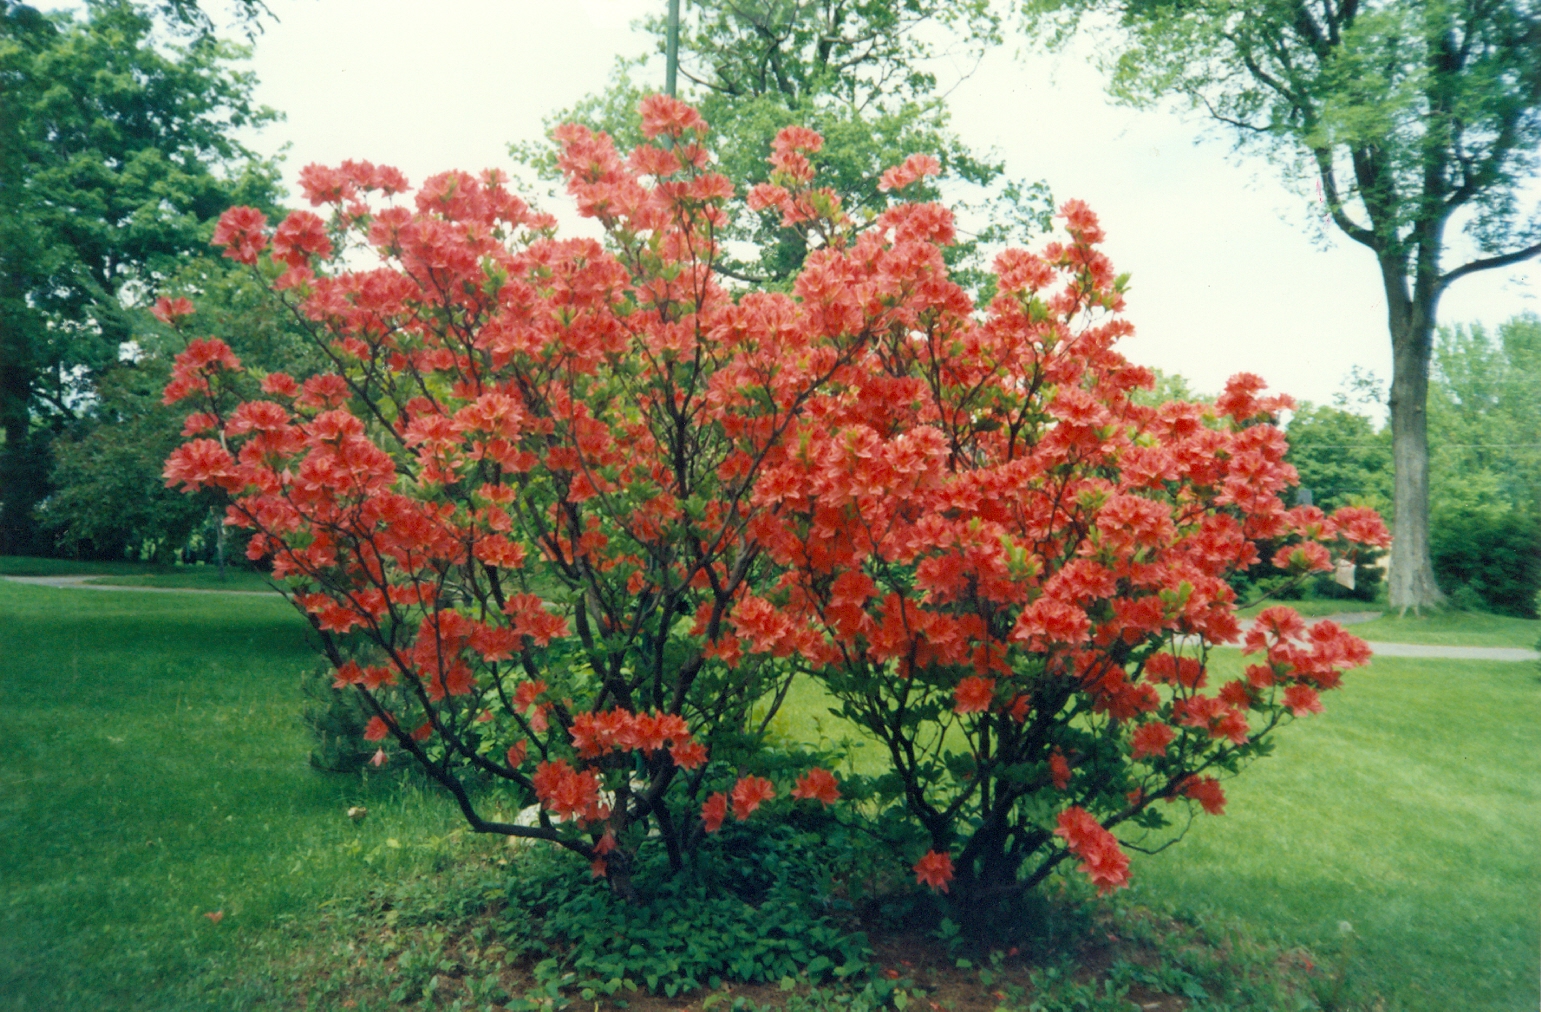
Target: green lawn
<point x="1452" y="628"/>
<point x="1438" y="628"/>
<point x="136" y="574"/>
<point x="1410" y="810"/>
<point x="27" y="565"/>
<point x="155" y="771"/>
<point x="192" y="578"/>
<point x="1316" y="607"/>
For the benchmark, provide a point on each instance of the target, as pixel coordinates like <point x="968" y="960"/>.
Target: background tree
<point x="107" y="499"/>
<point x="860" y="74"/>
<point x="1485" y="436"/>
<point x="119" y="153"/>
<point x="1413" y="116"/>
<point x="189" y="16"/>
<point x="1484" y="465"/>
<point x="1341" y="457"/>
<point x="1485" y="406"/>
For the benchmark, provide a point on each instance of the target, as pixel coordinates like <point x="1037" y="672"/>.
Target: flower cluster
<point x="594" y="734"/>
<point x="1103" y="861"/>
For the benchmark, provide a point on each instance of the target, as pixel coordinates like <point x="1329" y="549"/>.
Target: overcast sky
<point x="1226" y="278"/>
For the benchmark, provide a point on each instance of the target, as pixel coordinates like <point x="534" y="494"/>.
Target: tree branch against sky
<point x="1419" y="121"/>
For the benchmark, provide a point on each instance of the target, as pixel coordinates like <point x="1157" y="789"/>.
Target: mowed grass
<point x="1441" y="627"/>
<point x="155" y="771"/>
<point x="1316" y="607"/>
<point x="137" y="574"/>
<point x="1452" y="629"/>
<point x="193" y="578"/>
<point x="28" y="565"/>
<point x="1411" y="812"/>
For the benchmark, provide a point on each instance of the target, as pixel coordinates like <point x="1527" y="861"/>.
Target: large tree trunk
<point x="21" y="474"/>
<point x="1411" y="321"/>
<point x="23" y="461"/>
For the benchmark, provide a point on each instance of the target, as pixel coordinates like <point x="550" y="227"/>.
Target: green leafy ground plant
<point x="755" y="908"/>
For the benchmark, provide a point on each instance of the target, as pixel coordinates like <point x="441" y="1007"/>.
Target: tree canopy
<point x="1340" y="457"/>
<point x="1485" y="461"/>
<point x="119" y="154"/>
<point x="1485" y="408"/>
<point x="860" y="74"/>
<point x="1416" y="122"/>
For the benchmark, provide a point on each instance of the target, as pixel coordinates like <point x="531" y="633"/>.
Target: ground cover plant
<point x="572" y="518"/>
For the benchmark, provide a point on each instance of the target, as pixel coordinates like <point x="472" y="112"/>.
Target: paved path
<point x="1426" y="650"/>
<point x="1346" y="618"/>
<point x="81" y="583"/>
<point x="1452" y="653"/>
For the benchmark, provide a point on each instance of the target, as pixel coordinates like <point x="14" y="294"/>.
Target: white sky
<point x="1225" y="277"/>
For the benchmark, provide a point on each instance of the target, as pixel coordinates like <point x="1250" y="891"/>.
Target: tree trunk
<point x="1411" y="320"/>
<point x="23" y="473"/>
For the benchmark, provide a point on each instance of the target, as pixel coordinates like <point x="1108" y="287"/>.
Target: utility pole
<point x="672" y="51"/>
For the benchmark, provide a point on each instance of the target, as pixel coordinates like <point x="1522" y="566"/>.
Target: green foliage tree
<point x="1342" y="459"/>
<point x="1485" y="406"/>
<point x="1415" y="118"/>
<point x="1341" y="456"/>
<point x="108" y="498"/>
<point x="1485" y="461"/>
<point x="856" y="72"/>
<point x="119" y="152"/>
<point x="188" y="16"/>
<point x="1485" y="435"/>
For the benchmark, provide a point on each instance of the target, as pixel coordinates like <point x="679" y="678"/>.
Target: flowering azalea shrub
<point x="570" y="516"/>
<point x="1015" y="573"/>
<point x="520" y="511"/>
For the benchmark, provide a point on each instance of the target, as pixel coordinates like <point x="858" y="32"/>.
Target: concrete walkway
<point x="1452" y="653"/>
<point x="81" y="583"/>
<point x="1423" y="650"/>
